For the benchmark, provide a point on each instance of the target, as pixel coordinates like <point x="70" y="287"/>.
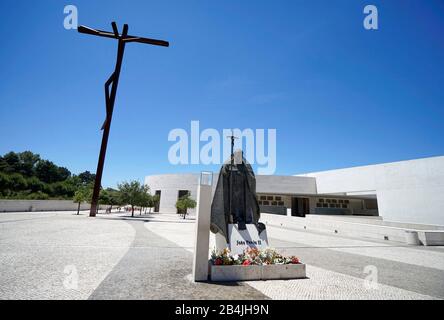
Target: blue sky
<point x="338" y="95"/>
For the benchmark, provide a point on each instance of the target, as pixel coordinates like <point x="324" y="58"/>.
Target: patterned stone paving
<point x="323" y="284"/>
<point x="41" y="254"/>
<point x="150" y="256"/>
<point x="336" y="265"/>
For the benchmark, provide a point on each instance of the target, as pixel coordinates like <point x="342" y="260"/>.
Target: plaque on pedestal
<point x="247" y="238"/>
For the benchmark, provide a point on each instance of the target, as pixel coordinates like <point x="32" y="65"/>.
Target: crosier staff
<point x="230" y="193"/>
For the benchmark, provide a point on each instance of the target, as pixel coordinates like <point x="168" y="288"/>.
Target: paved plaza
<point x="59" y="255"/>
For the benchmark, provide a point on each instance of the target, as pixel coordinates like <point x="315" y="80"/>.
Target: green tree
<point x="155" y="199"/>
<point x="28" y="161"/>
<point x="34" y="184"/>
<point x="104" y="197"/>
<point x="145" y="200"/>
<point x="48" y="172"/>
<point x="5" y="181"/>
<point x="63" y="189"/>
<point x="17" y="182"/>
<point x="25" y="175"/>
<point x="109" y="197"/>
<point x="131" y="193"/>
<point x="185" y="203"/>
<point x="62" y="174"/>
<point x="12" y="161"/>
<point x="80" y="196"/>
<point x="3" y="164"/>
<point x="87" y="177"/>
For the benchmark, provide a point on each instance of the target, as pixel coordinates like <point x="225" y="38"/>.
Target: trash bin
<point x="412" y="238"/>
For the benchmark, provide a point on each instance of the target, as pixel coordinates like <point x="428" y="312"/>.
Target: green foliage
<point x="38" y="196"/>
<point x="17" y="182"/>
<point x="34" y="184"/>
<point x="110" y="197"/>
<point x="81" y="195"/>
<point x="3" y="164"/>
<point x="146" y="200"/>
<point x="5" y="181"/>
<point x="153" y="201"/>
<point x="27" y="163"/>
<point x="156" y="200"/>
<point x="86" y="178"/>
<point x="12" y="161"/>
<point x="48" y="172"/>
<point x="26" y="175"/>
<point x="185" y="203"/>
<point x="132" y="193"/>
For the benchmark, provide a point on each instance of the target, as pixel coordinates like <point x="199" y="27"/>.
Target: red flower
<point x="218" y="261"/>
<point x="246" y="263"/>
<point x="294" y="260"/>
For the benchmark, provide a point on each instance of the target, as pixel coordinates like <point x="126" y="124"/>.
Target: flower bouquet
<point x="251" y="256"/>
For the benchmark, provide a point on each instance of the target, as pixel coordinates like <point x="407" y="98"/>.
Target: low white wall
<point x="40" y="205"/>
<point x="355" y="227"/>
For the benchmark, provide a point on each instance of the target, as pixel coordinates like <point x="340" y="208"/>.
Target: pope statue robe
<point x="236" y="181"/>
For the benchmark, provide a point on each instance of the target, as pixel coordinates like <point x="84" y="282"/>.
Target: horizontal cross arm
<point x="147" y="41"/>
<point x="94" y="32"/>
<point x="106" y="34"/>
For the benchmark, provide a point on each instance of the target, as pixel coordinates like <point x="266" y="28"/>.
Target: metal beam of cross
<point x="110" y="97"/>
<point x="230" y="194"/>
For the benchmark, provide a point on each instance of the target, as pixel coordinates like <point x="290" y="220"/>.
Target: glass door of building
<point x="299" y="206"/>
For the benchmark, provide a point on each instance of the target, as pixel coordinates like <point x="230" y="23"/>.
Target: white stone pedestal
<point x="202" y="242"/>
<point x="220" y="242"/>
<point x="241" y="239"/>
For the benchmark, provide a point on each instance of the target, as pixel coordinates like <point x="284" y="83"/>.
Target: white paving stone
<point x="401" y="253"/>
<point x="35" y="249"/>
<point x="423" y="258"/>
<point x="178" y="231"/>
<point x="323" y="284"/>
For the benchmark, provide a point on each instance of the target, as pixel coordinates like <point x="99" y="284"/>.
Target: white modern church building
<point x="406" y="191"/>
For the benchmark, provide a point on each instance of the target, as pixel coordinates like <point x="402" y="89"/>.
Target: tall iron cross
<point x="110" y="97"/>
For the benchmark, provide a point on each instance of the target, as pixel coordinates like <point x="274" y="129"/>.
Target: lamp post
<point x="110" y="97"/>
